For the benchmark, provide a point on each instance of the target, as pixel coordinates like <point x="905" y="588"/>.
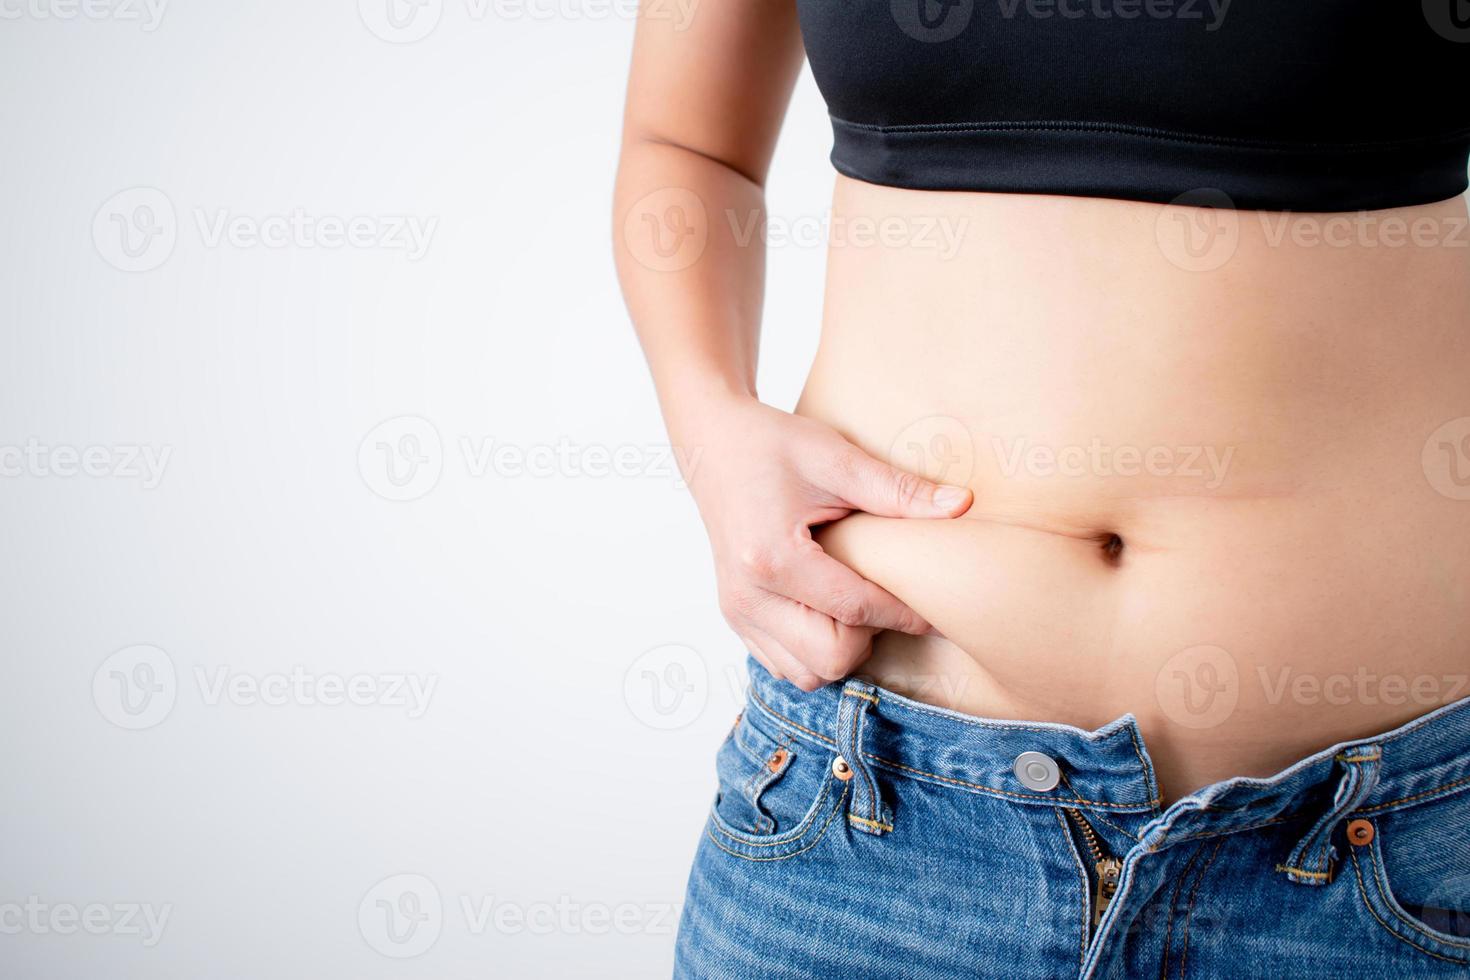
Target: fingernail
<point x="948" y="497"/>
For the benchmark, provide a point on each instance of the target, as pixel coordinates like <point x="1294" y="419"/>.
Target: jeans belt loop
<point x="866" y="811"/>
<point x="1314" y="860"/>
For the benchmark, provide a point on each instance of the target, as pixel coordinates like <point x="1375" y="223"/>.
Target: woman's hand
<point x="763" y="478"/>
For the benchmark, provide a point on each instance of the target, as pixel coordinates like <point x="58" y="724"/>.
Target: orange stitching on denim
<point x="1102" y="819"/>
<point x="852" y="693"/>
<point x="1138" y="751"/>
<point x="815" y="841"/>
<point x="919" y="709"/>
<point x="766" y="776"/>
<point x="791" y="835"/>
<point x="1086" y="883"/>
<point x="1386" y="894"/>
<point x="1367" y="904"/>
<point x="1422" y="720"/>
<point x="1326" y="859"/>
<point x="780" y="717"/>
<point x="1158" y="845"/>
<point x="1289" y="869"/>
<point x="1379" y="808"/>
<point x="958" y="782"/>
<point x="1373" y="755"/>
<point x="870" y="823"/>
<point x="742" y="741"/>
<point x="1189" y="912"/>
<point x="1037" y="797"/>
<point x="1097" y="816"/>
<point x="762" y="770"/>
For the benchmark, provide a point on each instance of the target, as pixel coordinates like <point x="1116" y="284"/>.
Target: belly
<point x="1221" y="462"/>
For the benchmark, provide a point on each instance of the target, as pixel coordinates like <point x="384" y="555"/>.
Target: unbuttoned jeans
<point x="860" y="834"/>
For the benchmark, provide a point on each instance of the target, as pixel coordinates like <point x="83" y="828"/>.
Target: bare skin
<point x="1288" y="573"/>
<point x="1217" y="477"/>
<point x="704" y="106"/>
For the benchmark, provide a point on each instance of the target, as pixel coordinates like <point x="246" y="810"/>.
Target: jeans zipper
<point x="1107" y="867"/>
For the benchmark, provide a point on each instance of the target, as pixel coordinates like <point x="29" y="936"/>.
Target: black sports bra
<point x="1304" y="105"/>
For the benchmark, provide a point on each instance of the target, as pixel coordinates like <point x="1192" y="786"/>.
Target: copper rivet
<point x="777" y="760"/>
<point x="841" y="769"/>
<point x="1360" y="832"/>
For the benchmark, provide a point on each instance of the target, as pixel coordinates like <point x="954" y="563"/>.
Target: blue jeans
<point x="859" y="834"/>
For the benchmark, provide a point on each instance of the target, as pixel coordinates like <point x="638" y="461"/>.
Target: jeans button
<point x="1037" y="772"/>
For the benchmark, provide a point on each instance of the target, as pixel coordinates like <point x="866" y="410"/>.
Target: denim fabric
<point x="859" y="834"/>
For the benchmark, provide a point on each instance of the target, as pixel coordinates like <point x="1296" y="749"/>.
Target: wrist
<point x="693" y="412"/>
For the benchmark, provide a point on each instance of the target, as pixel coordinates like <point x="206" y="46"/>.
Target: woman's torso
<point x="1221" y="462"/>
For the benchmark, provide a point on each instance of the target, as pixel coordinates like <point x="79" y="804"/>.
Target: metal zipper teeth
<point x="1089" y="835"/>
<point x="1105" y="865"/>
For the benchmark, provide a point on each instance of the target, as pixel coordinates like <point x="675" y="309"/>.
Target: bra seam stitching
<point x="1145" y="132"/>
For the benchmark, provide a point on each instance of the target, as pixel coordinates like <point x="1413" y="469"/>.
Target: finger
<point x="824" y="647"/>
<point x="823" y="583"/>
<point x="761" y="657"/>
<point x="789" y="667"/>
<point x="867" y="484"/>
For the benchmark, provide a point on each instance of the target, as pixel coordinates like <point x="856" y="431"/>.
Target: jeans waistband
<point x="1109" y="769"/>
<point x="1106" y="769"/>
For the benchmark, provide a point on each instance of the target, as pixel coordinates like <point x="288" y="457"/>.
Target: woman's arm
<point x="705" y="101"/>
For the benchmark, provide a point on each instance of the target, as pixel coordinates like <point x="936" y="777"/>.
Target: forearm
<point x="696" y="309"/>
<point x="705" y="101"/>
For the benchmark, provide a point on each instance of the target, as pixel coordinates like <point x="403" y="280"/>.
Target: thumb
<point x="873" y="486"/>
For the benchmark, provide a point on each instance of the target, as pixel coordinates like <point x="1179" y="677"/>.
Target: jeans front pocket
<point x="1412" y="868"/>
<point x="777" y="795"/>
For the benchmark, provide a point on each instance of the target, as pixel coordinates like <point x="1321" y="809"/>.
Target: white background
<point x="542" y="775"/>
